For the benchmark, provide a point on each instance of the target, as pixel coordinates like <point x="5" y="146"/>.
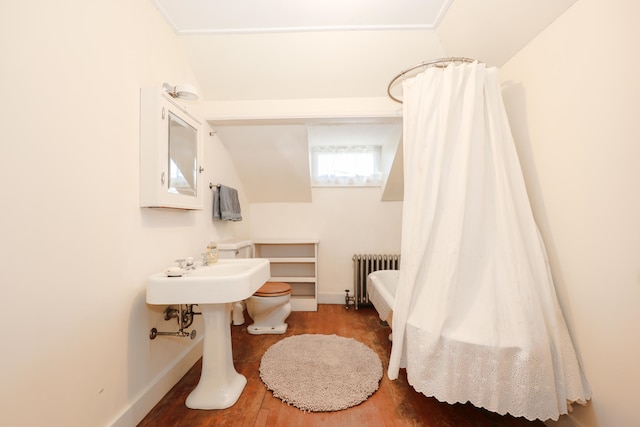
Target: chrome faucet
<point x="186" y="263"/>
<point x="205" y="258"/>
<point x="189" y="264"/>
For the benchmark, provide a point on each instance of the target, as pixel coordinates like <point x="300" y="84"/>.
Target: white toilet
<point x="269" y="306"/>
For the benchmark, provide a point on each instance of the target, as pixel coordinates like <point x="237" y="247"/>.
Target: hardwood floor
<point x="395" y="403"/>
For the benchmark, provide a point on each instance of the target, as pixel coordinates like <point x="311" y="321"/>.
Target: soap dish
<point x="174" y="272"/>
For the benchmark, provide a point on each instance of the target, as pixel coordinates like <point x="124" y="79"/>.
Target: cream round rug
<point x="320" y="373"/>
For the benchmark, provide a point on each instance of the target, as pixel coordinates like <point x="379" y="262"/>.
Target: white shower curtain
<point x="476" y="316"/>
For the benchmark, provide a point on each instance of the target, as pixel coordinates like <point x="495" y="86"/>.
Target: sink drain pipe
<point x="185" y="319"/>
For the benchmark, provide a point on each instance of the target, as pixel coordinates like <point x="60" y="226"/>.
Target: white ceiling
<point x="257" y="16"/>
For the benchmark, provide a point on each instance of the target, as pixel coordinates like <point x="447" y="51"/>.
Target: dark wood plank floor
<point x="395" y="403"/>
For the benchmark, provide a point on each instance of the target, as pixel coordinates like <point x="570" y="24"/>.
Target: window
<point x="352" y="154"/>
<point x="354" y="165"/>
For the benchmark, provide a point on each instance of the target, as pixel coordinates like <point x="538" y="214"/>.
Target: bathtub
<point x="382" y="285"/>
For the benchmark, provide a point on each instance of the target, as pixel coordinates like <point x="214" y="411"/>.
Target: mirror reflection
<point x="182" y="157"/>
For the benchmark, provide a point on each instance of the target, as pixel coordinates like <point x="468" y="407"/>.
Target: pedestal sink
<point x="213" y="288"/>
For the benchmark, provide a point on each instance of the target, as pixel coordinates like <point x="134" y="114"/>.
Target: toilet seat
<point x="273" y="289"/>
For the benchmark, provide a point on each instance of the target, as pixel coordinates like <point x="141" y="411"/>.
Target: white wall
<point x="346" y="221"/>
<point x="573" y="98"/>
<point x="76" y="248"/>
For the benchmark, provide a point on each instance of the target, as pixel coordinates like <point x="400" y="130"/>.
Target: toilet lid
<point x="273" y="289"/>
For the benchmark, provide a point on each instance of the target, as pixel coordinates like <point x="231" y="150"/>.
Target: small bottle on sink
<point x="212" y="253"/>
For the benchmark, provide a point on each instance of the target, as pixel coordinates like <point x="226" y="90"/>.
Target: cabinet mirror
<point x="183" y="157"/>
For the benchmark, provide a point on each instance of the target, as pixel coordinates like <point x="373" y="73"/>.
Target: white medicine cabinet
<point x="171" y="152"/>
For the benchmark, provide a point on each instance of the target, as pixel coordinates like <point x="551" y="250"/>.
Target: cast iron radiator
<point x="363" y="264"/>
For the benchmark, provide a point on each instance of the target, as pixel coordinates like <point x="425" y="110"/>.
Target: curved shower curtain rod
<point x="438" y="63"/>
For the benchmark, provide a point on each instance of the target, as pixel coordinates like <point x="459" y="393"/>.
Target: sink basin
<point x="213" y="288"/>
<point x="228" y="280"/>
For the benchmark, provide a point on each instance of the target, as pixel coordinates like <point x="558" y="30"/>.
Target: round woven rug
<point x="319" y="373"/>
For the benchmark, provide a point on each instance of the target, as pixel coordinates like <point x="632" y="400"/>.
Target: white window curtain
<point x="476" y="317"/>
<point x="345" y="165"/>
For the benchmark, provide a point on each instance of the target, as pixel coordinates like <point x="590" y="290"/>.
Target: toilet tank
<point x="235" y="248"/>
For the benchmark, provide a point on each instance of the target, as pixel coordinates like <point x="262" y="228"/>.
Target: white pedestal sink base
<point x="213" y="287"/>
<point x="220" y="384"/>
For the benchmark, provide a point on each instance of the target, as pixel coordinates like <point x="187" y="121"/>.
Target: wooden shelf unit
<point x="293" y="261"/>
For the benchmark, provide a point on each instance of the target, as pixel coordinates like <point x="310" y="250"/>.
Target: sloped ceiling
<point x="304" y="65"/>
<point x="247" y="50"/>
<point x="495" y="30"/>
<point x="292" y="49"/>
<point x="272" y="161"/>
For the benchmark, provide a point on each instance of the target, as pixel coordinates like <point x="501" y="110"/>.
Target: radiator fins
<point x="363" y="264"/>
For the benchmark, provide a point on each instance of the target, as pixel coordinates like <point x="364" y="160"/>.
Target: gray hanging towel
<point x="226" y="206"/>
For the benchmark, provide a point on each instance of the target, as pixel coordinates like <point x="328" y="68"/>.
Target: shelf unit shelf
<point x="299" y="260"/>
<point x="294" y="262"/>
<point x="289" y="279"/>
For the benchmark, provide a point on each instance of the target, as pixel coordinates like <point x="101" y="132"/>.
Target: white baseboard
<point x="563" y="421"/>
<point x="332" y="298"/>
<point x="142" y="404"/>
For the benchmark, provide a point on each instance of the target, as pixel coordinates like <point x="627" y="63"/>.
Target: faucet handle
<point x="180" y="262"/>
